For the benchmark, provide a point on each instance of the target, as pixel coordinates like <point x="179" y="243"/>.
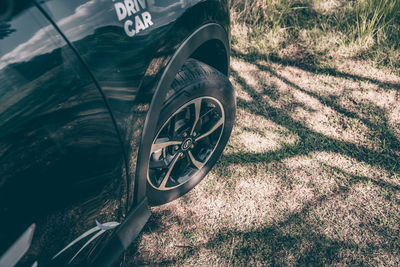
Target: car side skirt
<point x="124" y="235"/>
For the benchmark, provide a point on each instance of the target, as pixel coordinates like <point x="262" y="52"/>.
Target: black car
<point x="106" y="108"/>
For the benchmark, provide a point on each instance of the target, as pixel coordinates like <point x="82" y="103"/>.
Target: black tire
<point x="186" y="145"/>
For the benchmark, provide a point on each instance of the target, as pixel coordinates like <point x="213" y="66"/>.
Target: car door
<point x="125" y="44"/>
<point x="63" y="186"/>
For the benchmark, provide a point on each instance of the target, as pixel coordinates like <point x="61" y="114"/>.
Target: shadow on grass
<point x="310" y="247"/>
<point x="312" y="141"/>
<point x="298" y="239"/>
<point x="302" y="241"/>
<point x="275" y="244"/>
<point x="311" y="66"/>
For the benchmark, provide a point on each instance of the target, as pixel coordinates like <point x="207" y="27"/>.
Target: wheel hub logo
<point x="186" y="144"/>
<point x="135" y="14"/>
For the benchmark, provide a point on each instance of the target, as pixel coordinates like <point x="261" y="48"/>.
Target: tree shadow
<point x="303" y="22"/>
<point x="310" y="66"/>
<point x="303" y="244"/>
<point x="310" y="140"/>
<point x="297" y="239"/>
<point x="274" y="246"/>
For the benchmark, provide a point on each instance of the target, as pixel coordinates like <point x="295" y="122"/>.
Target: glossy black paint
<point x="129" y="68"/>
<point x="78" y="100"/>
<point x="61" y="160"/>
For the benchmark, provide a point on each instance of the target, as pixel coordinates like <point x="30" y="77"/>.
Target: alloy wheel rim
<point x="185" y="143"/>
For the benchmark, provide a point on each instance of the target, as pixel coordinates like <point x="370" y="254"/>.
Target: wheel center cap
<point x="187" y="144"/>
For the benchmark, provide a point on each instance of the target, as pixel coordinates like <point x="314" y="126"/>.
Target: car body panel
<point x="79" y="98"/>
<point x="61" y="164"/>
<point x="128" y="68"/>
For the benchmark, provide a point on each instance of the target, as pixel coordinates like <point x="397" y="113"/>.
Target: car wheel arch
<point x="208" y="35"/>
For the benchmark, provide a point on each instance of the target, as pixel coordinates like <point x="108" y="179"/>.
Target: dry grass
<point x="325" y="31"/>
<point x="315" y="181"/>
<point x="311" y="175"/>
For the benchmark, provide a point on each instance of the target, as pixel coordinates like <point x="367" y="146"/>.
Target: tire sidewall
<point x="217" y="86"/>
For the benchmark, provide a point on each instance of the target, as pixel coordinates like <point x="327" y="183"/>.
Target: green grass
<point x="337" y="29"/>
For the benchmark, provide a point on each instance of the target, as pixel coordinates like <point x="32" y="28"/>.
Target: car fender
<point x="207" y="32"/>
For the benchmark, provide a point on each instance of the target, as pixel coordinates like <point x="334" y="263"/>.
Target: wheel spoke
<point x="213" y="129"/>
<point x="197" y="109"/>
<point x="168" y="174"/>
<point x="185" y="143"/>
<point x="163" y="143"/>
<point x="195" y="162"/>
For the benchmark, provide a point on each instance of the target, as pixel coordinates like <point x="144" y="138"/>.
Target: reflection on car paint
<point x="14" y="254"/>
<point x="57" y="130"/>
<point x="119" y="62"/>
<point x="100" y="228"/>
<point x="56" y="133"/>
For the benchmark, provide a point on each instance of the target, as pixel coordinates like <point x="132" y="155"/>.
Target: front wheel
<point x="194" y="126"/>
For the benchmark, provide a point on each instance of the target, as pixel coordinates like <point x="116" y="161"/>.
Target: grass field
<point x="320" y="32"/>
<point x="311" y="175"/>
